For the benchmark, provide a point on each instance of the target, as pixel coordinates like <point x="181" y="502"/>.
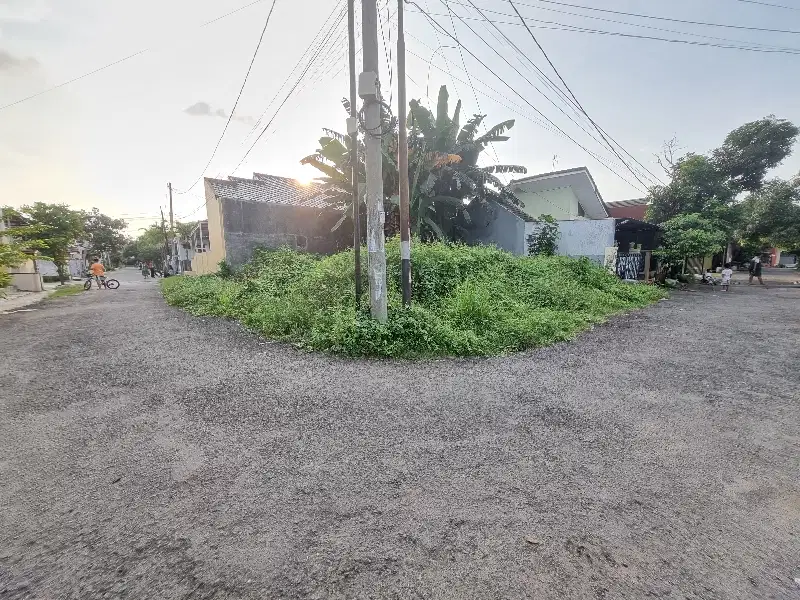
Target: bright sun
<point x="304" y="178"/>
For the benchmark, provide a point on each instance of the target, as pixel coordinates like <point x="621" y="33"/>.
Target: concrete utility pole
<point x="352" y="130"/>
<point x="402" y="158"/>
<point x="166" y="240"/>
<point x="173" y="246"/>
<point x="369" y="90"/>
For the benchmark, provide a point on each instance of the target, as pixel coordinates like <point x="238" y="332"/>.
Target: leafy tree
<point x="772" y="216"/>
<point x="690" y="235"/>
<point x="149" y="245"/>
<point x="753" y="149"/>
<point x="544" y="241"/>
<point x="53" y="228"/>
<point x="104" y="234"/>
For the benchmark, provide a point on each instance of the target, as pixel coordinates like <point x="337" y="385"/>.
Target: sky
<point x="115" y="138"/>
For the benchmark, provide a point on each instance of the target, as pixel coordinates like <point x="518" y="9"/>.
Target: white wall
<point x="561" y="203"/>
<point x="588" y="238"/>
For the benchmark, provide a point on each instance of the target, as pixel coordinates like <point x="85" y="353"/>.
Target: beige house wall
<point x="205" y="263"/>
<point x="561" y="203"/>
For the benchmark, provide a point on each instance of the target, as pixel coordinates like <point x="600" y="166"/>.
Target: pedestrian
<point x="727" y="273"/>
<point x="755" y="270"/>
<point x="152" y="268"/>
<point x="145" y="270"/>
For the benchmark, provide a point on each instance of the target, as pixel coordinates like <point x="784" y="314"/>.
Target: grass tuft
<point x="66" y="290"/>
<point x="467" y="301"/>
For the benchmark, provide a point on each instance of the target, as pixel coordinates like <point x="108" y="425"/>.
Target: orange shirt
<point x="97" y="269"/>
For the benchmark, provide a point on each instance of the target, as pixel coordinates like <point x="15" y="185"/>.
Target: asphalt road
<point x="145" y="453"/>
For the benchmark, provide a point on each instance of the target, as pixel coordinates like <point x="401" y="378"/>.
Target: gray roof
<point x="632" y="202"/>
<point x="269" y="188"/>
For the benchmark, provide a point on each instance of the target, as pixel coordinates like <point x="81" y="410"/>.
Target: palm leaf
<point x="434" y="227"/>
<point x="442" y="118"/>
<point x="333" y="150"/>
<point x="336" y="135"/>
<point x="505" y="169"/>
<point x="421" y="118"/>
<point x="467" y="133"/>
<point x="330" y="171"/>
<point x="494" y="134"/>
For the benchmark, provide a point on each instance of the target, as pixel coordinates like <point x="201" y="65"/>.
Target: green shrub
<point x="466" y="301"/>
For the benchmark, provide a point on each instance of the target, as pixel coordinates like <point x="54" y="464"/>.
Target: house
<point x="628" y="209"/>
<point x="570" y="196"/>
<point x="25" y="277"/>
<point x="265" y="211"/>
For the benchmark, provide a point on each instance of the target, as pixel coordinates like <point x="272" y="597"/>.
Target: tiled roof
<point x="269" y="188"/>
<point x="633" y="202"/>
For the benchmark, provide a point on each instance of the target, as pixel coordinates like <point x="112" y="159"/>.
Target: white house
<point x="571" y="197"/>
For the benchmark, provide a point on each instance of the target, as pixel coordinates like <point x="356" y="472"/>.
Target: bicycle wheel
<point x="88" y="284"/>
<point x="112" y="284"/>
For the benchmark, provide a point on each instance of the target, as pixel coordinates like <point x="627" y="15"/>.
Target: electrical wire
<point x="119" y="61"/>
<point x="659" y="18"/>
<point x="768" y="4"/>
<point x="577" y="102"/>
<point x="627" y="24"/>
<point x="236" y="103"/>
<point x="286" y="98"/>
<point x="576" y="29"/>
<point x="569" y="137"/>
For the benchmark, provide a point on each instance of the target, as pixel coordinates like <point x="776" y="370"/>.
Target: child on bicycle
<point x="98" y="271"/>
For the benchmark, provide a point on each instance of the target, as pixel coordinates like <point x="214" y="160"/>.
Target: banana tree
<point x="445" y="177"/>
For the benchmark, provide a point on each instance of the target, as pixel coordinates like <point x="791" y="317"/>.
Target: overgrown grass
<point x="467" y="301"/>
<point x="66" y="290"/>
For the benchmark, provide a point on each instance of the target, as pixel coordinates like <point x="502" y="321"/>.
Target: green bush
<point x="466" y="301"/>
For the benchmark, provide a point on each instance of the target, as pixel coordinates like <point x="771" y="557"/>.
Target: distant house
<point x="570" y="196"/>
<point x="628" y="209"/>
<point x="265" y="211"/>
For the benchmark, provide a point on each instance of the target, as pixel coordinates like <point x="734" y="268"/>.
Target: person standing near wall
<point x="755" y="270"/>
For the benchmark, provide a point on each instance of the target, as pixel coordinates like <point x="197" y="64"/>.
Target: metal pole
<point x="402" y="158"/>
<point x="353" y="131"/>
<point x="374" y="165"/>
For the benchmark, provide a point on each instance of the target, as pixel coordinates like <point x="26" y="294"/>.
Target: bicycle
<point x="108" y="283"/>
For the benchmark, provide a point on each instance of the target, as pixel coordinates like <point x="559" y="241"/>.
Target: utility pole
<point x="402" y="158"/>
<point x="173" y="246"/>
<point x="166" y="241"/>
<point x="352" y="129"/>
<point x="369" y="90"/>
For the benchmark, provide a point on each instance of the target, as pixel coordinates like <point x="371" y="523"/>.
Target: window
<point x="581" y="212"/>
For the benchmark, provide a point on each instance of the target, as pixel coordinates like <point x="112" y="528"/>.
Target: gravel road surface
<point x="145" y="453"/>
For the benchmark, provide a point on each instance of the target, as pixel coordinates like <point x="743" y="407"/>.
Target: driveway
<point x="145" y="453"/>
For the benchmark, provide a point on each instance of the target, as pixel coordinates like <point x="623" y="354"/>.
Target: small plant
<point x="544" y="241"/>
<point x="225" y="270"/>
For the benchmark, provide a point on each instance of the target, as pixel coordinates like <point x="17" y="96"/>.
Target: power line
<point x="121" y="60"/>
<point x="658" y="18"/>
<point x="768" y="4"/>
<point x="571" y="103"/>
<point x="288" y="95"/>
<point x="573" y="140"/>
<point x="629" y="24"/>
<point x="576" y="29"/>
<point x="238" y="97"/>
<point x="572" y="94"/>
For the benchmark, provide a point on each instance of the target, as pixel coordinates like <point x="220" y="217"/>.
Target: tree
<point x="104" y="234"/>
<point x="443" y="173"/>
<point x="690" y="235"/>
<point x="544" y="240"/>
<point x="771" y="216"/>
<point x="53" y="228"/>
<point x="753" y="149"/>
<point x="149" y="245"/>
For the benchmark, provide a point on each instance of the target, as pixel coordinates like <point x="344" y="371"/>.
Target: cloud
<point x="204" y="109"/>
<point x="8" y="62"/>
